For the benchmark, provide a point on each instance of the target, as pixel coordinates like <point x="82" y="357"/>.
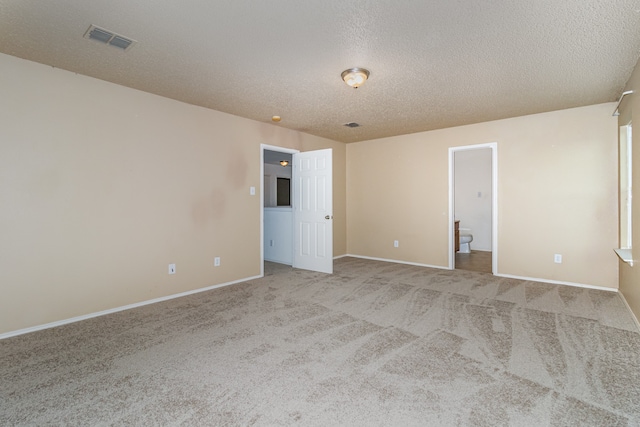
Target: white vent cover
<point x="108" y="37"/>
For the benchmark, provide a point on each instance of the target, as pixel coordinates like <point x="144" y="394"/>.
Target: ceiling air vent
<point x="108" y="37"/>
<point x="352" y="125"/>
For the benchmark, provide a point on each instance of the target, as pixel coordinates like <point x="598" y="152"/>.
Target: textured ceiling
<point x="434" y="64"/>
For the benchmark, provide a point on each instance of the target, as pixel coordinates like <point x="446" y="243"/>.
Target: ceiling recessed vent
<point x="352" y="125"/>
<point x="108" y="37"/>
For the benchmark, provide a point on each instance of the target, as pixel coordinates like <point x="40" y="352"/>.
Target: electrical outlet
<point x="252" y="191"/>
<point x="216" y="261"/>
<point x="172" y="269"/>
<point x="557" y="258"/>
<point x="396" y="244"/>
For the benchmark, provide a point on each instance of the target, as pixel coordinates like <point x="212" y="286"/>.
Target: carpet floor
<point x="375" y="344"/>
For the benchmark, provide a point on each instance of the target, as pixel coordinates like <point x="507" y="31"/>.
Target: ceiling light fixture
<point x="355" y="77"/>
<point x="284" y="163"/>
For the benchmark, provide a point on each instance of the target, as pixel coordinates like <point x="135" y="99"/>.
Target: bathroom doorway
<point x="473" y="207"/>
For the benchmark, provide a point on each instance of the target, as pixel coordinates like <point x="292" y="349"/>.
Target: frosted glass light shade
<point x="355" y="77"/>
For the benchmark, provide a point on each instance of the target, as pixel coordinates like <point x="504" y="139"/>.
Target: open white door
<point x="313" y="211"/>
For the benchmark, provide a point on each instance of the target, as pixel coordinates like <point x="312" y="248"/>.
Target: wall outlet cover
<point x="172" y="269"/>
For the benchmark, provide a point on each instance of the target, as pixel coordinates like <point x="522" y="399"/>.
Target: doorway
<point x="276" y="219"/>
<point x="300" y="234"/>
<point x="473" y="196"/>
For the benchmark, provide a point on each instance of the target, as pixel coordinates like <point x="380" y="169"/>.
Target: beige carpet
<point x="375" y="344"/>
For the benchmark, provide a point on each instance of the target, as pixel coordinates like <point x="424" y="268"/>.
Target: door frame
<point x="264" y="147"/>
<point x="494" y="202"/>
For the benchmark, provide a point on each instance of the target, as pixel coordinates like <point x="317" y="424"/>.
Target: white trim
<point x="451" y="221"/>
<point x="529" y="279"/>
<point x="635" y="319"/>
<point x="626" y="183"/>
<point x="558" y="282"/>
<point x="625" y="255"/>
<point x="494" y="202"/>
<point x="397" y="261"/>
<point x="625" y="93"/>
<point x="280" y="150"/>
<point x="117" y="309"/>
<point x="208" y="288"/>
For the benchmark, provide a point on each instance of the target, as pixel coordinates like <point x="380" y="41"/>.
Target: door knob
<point x="327" y="217"/>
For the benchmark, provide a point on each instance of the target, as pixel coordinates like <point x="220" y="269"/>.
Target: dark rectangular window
<point x="284" y="192"/>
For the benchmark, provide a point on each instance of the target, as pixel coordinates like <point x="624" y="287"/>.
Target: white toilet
<point x="465" y="238"/>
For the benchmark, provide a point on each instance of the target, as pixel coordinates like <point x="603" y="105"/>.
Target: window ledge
<point x="625" y="255"/>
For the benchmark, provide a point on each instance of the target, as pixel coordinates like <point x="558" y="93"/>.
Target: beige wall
<point x="557" y="193"/>
<point x="630" y="112"/>
<point x="102" y="186"/>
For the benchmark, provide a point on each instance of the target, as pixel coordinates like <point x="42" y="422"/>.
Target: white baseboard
<point x="558" y="282"/>
<point x="195" y="291"/>
<point x="279" y="261"/>
<point x="117" y="309"/>
<point x="531" y="279"/>
<point x="635" y="319"/>
<point x="396" y="261"/>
